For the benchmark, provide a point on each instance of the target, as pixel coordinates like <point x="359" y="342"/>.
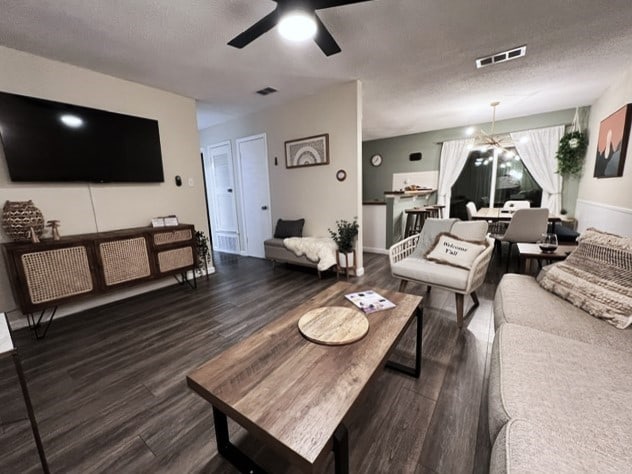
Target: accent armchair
<point x="409" y="264"/>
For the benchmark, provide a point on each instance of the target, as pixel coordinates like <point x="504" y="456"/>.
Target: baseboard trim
<point x="376" y="250"/>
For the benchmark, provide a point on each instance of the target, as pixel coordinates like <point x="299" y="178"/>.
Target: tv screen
<point x="50" y="141"/>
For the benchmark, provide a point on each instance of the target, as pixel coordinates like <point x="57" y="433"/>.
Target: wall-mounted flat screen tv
<point x="46" y="141"/>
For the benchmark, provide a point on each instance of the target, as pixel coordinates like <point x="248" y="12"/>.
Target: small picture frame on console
<point x="158" y="222"/>
<point x="171" y="221"/>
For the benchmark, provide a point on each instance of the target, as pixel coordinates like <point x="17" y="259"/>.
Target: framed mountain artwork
<point x="612" y="147"/>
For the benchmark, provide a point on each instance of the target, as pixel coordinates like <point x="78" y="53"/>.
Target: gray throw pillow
<point x="285" y="229"/>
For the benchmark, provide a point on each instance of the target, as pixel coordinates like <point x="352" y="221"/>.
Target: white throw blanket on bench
<point x="320" y="250"/>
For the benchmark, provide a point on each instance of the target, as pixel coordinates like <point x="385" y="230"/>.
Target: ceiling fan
<point x="287" y="9"/>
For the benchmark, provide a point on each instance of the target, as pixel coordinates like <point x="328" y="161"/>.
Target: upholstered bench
<point x="276" y="251"/>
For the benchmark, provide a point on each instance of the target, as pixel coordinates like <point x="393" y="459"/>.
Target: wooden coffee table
<point x="292" y="394"/>
<point x="530" y="252"/>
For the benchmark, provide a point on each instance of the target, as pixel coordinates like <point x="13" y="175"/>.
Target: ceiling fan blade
<point x="321" y="4"/>
<point x="324" y="40"/>
<point x="262" y="26"/>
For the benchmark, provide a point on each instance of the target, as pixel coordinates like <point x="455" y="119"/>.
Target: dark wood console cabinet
<point x="52" y="272"/>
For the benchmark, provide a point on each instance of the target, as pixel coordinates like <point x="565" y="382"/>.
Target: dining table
<point x="498" y="214"/>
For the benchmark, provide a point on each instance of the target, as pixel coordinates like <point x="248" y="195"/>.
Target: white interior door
<point x="252" y="154"/>
<point x="218" y="166"/>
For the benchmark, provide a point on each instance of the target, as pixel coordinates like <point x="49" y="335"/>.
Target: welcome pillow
<point x="451" y="250"/>
<point x="596" y="277"/>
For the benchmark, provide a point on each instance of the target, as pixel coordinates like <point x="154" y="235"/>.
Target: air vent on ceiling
<point x="502" y="56"/>
<point x="266" y="91"/>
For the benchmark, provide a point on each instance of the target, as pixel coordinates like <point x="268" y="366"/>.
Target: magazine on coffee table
<point x="369" y="301"/>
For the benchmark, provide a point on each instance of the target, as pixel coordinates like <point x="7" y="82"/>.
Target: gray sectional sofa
<point x="560" y="388"/>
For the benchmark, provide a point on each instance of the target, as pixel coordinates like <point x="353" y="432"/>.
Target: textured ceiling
<point x="415" y="58"/>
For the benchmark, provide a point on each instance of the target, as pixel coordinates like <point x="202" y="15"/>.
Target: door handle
<point x="264" y="208"/>
<point x="230" y="190"/>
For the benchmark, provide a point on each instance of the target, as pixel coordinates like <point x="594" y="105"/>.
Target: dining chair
<point x="470" y="208"/>
<point x="526" y="226"/>
<point x="510" y="206"/>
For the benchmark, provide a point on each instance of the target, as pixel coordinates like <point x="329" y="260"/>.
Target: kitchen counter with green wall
<point x="395" y="152"/>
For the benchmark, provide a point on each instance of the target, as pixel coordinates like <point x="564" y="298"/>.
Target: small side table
<point x="531" y="252"/>
<point x="8" y="349"/>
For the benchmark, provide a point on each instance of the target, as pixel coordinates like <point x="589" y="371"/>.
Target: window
<point x="491" y="177"/>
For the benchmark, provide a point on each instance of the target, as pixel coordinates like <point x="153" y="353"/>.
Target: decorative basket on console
<point x="19" y="217"/>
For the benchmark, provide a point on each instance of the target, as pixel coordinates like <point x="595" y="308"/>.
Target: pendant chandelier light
<point x="487" y="141"/>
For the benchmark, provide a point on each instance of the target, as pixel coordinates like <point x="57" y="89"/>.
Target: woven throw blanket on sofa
<point x="596" y="277"/>
<point x="320" y="250"/>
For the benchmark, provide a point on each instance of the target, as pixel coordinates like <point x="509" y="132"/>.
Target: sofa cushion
<point x="560" y="384"/>
<point x="524" y="447"/>
<point x="520" y="300"/>
<point x="285" y="228"/>
<point x="451" y="250"/>
<point x="596" y="277"/>
<point x="423" y="270"/>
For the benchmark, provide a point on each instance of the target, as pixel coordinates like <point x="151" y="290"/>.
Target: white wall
<point x="311" y="192"/>
<point x="600" y="198"/>
<point x="115" y="206"/>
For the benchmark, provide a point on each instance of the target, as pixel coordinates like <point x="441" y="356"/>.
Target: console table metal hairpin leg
<point x="8" y="349"/>
<point x="35" y="325"/>
<point x="186" y="280"/>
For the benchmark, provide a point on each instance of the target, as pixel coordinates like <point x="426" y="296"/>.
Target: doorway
<point x="218" y="171"/>
<point x="252" y="156"/>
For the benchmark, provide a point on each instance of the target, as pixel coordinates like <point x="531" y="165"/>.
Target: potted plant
<point x="344" y="236"/>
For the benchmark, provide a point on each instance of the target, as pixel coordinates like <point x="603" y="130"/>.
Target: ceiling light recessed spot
<point x="71" y="121"/>
<point x="297" y="26"/>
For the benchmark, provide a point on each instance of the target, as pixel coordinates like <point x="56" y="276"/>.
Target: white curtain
<point x="453" y="158"/>
<point x="537" y="148"/>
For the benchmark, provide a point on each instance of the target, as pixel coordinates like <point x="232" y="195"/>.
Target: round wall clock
<point x="376" y="160"/>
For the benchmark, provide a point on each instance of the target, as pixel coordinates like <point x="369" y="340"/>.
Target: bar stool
<point x="438" y="210"/>
<point x="415" y="219"/>
<point x="432" y="212"/>
<point x="8" y="349"/>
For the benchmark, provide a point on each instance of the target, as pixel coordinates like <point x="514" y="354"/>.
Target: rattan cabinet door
<point x="124" y="260"/>
<point x="178" y="259"/>
<point x="173" y="236"/>
<point x="55" y="274"/>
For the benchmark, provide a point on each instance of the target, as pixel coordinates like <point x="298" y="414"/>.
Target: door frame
<point x="238" y="165"/>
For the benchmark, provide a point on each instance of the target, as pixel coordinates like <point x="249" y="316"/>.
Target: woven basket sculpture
<point x="19" y="217"/>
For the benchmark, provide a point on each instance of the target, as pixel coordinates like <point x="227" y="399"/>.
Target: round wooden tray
<point x="333" y="325"/>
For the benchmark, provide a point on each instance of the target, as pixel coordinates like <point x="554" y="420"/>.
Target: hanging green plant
<point x="570" y="154"/>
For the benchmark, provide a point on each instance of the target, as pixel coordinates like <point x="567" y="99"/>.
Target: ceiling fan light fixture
<point x="297" y="25"/>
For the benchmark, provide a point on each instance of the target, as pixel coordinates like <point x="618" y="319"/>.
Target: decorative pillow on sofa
<point x="596" y="277"/>
<point x="285" y="229"/>
<point x="451" y="250"/>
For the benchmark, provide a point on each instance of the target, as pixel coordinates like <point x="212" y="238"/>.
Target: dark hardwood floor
<point x="108" y="385"/>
